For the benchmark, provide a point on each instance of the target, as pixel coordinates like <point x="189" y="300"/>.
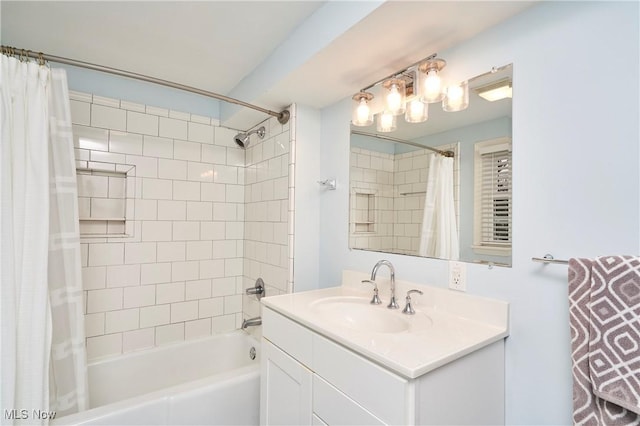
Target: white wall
<point x="576" y="181"/>
<point x="308" y="195"/>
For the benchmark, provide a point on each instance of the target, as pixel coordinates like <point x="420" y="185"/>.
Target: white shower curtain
<point x="43" y="365"/>
<point x="439" y="235"/>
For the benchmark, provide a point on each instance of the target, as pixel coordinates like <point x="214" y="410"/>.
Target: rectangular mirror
<point x="440" y="188"/>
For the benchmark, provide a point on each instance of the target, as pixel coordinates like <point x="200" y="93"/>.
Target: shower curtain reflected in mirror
<point x="439" y="235"/>
<point x="43" y="360"/>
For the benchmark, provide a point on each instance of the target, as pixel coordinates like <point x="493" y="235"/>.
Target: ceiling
<point x="210" y="45"/>
<point x="225" y="46"/>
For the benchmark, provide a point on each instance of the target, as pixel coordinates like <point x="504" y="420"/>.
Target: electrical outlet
<point x="457" y="276"/>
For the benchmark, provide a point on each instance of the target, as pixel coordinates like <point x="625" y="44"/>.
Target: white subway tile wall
<point x="398" y="183"/>
<point x="269" y="215"/>
<point x="372" y="195"/>
<point x="183" y="273"/>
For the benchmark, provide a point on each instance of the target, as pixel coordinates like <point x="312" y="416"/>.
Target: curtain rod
<point x="389" y="138"/>
<point x="283" y="116"/>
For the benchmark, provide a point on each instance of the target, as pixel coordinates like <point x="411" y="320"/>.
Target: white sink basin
<point x="358" y="314"/>
<point x="447" y="324"/>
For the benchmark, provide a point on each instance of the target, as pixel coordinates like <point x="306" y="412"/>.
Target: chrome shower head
<point x="242" y="139"/>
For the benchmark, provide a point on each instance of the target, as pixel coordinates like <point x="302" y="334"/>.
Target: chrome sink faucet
<point x="392" y="303"/>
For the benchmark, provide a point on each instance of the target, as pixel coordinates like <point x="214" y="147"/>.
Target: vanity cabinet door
<point x="285" y="388"/>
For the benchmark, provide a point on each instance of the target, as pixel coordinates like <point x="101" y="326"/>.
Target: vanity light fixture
<point x="495" y="91"/>
<point x="409" y="92"/>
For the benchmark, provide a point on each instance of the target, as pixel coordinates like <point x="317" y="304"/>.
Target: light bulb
<point x="386" y="122"/>
<point x="454" y="93"/>
<point x="417" y="111"/>
<point x="457" y="97"/>
<point x="432" y="89"/>
<point x="394" y="100"/>
<point x="362" y="115"/>
<point x="430" y="81"/>
<point x="362" y="112"/>
<point x="394" y="96"/>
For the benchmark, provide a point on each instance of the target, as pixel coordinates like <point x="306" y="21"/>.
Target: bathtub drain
<point x="252" y="353"/>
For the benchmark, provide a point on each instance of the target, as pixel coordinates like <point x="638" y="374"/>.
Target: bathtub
<point x="209" y="381"/>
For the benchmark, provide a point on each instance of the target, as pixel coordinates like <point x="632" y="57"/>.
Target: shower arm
<point x="283" y="116"/>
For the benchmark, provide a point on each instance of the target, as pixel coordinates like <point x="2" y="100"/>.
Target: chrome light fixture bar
<point x="409" y="92"/>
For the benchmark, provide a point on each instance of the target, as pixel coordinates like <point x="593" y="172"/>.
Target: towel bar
<point x="549" y="259"/>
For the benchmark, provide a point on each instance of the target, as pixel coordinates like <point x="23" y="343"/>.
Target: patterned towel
<point x="604" y="309"/>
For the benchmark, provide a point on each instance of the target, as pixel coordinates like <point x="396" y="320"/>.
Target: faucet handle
<point x="408" y="309"/>
<point x="375" y="300"/>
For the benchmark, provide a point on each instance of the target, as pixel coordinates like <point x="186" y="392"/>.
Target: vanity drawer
<point x="384" y="393"/>
<point x="289" y="336"/>
<point x="333" y="407"/>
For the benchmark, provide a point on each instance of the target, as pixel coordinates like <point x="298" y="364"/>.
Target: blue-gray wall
<point x="113" y="86"/>
<point x="576" y="186"/>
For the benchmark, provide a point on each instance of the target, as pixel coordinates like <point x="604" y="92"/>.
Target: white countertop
<point x="447" y="324"/>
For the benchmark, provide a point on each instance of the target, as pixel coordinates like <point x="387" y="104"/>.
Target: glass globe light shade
<point x="457" y="98"/>
<point x="362" y="114"/>
<point x="394" y="95"/>
<point x="417" y="111"/>
<point x="386" y="122"/>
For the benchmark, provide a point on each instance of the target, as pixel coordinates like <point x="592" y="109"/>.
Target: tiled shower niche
<point x="106" y="194"/>
<point x="364" y="211"/>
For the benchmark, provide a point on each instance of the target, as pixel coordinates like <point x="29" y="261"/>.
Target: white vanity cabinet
<point x="286" y="388"/>
<point x="310" y="379"/>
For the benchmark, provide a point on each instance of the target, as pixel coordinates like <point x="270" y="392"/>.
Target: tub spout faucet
<point x="392" y="303"/>
<point x="251" y="322"/>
